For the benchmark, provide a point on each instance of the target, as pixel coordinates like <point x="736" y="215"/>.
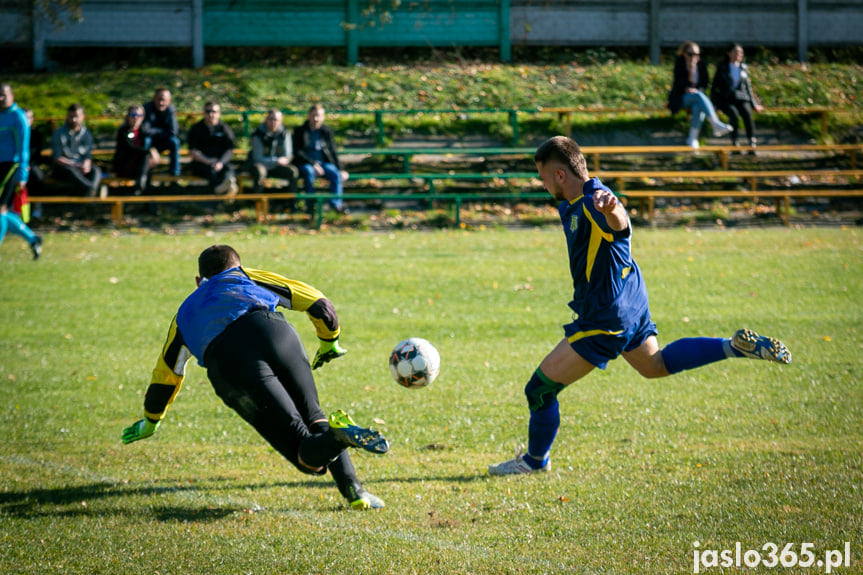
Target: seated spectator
<point x="315" y="155"/>
<point x="161" y="126"/>
<point x="133" y="156"/>
<point x="687" y="91"/>
<point x="35" y="181"/>
<point x="211" y="147"/>
<point x="272" y="152"/>
<point x="732" y="94"/>
<point x="72" y="153"/>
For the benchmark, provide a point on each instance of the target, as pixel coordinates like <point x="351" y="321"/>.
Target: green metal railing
<point x="456" y="200"/>
<point x="378" y="115"/>
<point x="513" y="115"/>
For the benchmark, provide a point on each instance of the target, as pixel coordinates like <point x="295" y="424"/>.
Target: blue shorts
<point x="599" y="346"/>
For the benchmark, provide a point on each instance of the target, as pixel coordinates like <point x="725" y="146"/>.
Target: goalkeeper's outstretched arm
<point x="165" y="383"/>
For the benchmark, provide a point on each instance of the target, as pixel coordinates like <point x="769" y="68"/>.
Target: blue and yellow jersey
<point x="170" y="367"/>
<point x="608" y="289"/>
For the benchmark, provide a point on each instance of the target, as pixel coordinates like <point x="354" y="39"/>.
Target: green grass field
<point x="739" y="451"/>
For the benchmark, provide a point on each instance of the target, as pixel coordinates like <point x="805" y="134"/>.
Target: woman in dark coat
<point x="132" y="155"/>
<point x="732" y="94"/>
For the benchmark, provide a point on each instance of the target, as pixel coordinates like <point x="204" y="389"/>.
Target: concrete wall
<point x="586" y="23"/>
<point x="667" y="23"/>
<point x="122" y="23"/>
<point x="653" y="24"/>
<point x="16" y="24"/>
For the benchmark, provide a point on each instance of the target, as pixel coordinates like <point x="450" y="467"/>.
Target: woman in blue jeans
<point x="688" y="91"/>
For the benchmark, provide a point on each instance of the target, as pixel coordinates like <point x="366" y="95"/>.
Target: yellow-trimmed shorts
<point x="599" y="345"/>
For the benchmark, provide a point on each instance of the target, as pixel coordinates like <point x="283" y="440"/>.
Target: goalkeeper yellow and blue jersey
<point x="218" y="302"/>
<point x="608" y="289"/>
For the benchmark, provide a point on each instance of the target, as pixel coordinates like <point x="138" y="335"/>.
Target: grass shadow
<point x="77" y="501"/>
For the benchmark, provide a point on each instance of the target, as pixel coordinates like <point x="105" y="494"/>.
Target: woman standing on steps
<point x="732" y="94"/>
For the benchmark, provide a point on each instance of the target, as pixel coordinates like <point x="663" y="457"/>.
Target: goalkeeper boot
<point x="517" y="466"/>
<point x="350" y="434"/>
<point x="359" y="498"/>
<point x="750" y="344"/>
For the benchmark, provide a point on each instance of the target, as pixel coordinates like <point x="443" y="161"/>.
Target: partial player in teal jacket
<point x="258" y="366"/>
<point x="14" y="167"/>
<point x="612" y="313"/>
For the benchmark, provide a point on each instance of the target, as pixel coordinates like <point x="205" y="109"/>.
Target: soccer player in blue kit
<point x="612" y="315"/>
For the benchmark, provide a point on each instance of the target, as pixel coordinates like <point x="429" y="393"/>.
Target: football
<point x="414" y="362"/>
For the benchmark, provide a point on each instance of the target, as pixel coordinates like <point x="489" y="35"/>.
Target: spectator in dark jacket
<point x="133" y="156"/>
<point x="161" y="126"/>
<point x="211" y="147"/>
<point x="687" y="91"/>
<point x="732" y="94"/>
<point x="36" y="179"/>
<point x="315" y="155"/>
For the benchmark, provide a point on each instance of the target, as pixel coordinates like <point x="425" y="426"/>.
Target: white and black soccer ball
<point x="414" y="362"/>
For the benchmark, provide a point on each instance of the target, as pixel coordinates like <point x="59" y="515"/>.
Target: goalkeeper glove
<point x="140" y="430"/>
<point x="328" y="350"/>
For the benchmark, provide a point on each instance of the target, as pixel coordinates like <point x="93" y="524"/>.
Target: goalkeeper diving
<point x="258" y="366"/>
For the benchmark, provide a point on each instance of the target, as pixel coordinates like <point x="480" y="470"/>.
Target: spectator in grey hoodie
<point x="272" y="152"/>
<point x="72" y="152"/>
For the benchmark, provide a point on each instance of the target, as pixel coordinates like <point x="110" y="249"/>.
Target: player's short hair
<point x="566" y="151"/>
<point x="216" y="259"/>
